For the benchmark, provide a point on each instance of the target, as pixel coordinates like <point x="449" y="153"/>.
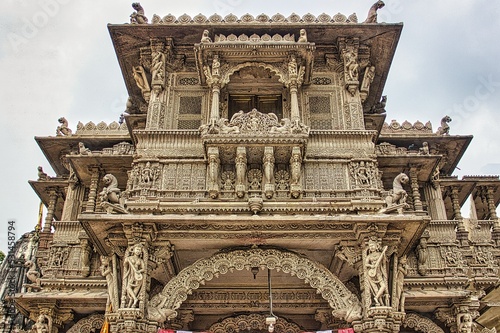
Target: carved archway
<point x="316" y="275"/>
<point x="421" y="324"/>
<point x="87" y="324"/>
<point x="282" y="76"/>
<point x="252" y="322"/>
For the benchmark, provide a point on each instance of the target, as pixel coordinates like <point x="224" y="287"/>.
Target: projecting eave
<point x="452" y="147"/>
<point x="55" y="148"/>
<point x="377" y="44"/>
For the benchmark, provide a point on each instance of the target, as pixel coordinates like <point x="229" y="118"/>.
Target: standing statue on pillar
<point x="399" y="299"/>
<point x="42" y="324"/>
<point x="376" y="273"/>
<point x="464" y="323"/>
<point x="134" y="276"/>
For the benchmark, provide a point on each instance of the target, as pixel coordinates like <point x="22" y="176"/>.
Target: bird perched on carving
<point x="42" y="175"/>
<point x="379" y="107"/>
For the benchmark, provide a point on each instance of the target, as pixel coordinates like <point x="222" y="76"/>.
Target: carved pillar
<point x="417" y="202"/>
<point x="214" y="80"/>
<point x="379" y="314"/>
<point x="353" y="109"/>
<point x="462" y="234"/>
<point x="94" y="182"/>
<point x="492" y="212"/>
<point x="159" y="54"/>
<point x="213" y="172"/>
<point x="53" y="195"/>
<point x="435" y="203"/>
<point x="295" y="173"/>
<point x="268" y="174"/>
<point x="74" y="197"/>
<point x="138" y="263"/>
<point x="50" y="317"/>
<point x="293" y="85"/>
<point x="85" y="255"/>
<point x="460" y="317"/>
<point x="241" y="171"/>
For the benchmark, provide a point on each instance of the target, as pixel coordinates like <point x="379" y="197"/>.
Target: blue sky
<point x="56" y="59"/>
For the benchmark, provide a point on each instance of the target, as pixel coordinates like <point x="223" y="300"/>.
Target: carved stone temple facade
<point x="255" y="159"/>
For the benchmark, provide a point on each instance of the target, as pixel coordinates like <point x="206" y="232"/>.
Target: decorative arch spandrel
<point x="191" y="278"/>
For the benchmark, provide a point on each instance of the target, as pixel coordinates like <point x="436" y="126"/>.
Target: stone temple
<point x="255" y="185"/>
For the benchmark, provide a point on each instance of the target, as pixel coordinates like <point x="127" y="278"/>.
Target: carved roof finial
<point x="372" y="13"/>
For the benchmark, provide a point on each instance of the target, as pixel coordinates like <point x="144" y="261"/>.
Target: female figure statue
<point x="134" y="276"/>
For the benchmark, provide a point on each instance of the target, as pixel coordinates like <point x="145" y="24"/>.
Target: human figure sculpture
<point x="141" y="81"/>
<point x="107" y="271"/>
<point x="372" y="13"/>
<point x="41" y="325"/>
<point x="205" y="38"/>
<point x="303" y="36"/>
<point x="138" y="16"/>
<point x="351" y="64"/>
<point x="399" y="301"/>
<point x="63" y="129"/>
<point x="134" y="276"/>
<point x="422" y="256"/>
<point x="376" y="273"/>
<point x="464" y="323"/>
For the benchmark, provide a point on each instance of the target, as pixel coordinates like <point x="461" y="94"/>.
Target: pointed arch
<point x="191" y="278"/>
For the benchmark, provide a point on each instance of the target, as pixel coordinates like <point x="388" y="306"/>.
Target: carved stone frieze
<point x="252" y="322"/>
<point x="407" y="127"/>
<point x="421" y="324"/>
<point x="88" y="324"/>
<point x="91" y="129"/>
<point x="247" y="18"/>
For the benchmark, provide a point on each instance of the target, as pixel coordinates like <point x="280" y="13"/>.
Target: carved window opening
<point x="263" y="103"/>
<point x="189" y="112"/>
<point x="255" y="88"/>
<point x="320" y="112"/>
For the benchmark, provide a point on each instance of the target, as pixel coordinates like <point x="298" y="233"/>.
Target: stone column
<point x="417" y="202"/>
<point x="158" y="55"/>
<point x="53" y="196"/>
<point x="50" y="317"/>
<point x="353" y="108"/>
<point x="435" y="204"/>
<point x="138" y="263"/>
<point x="213" y="172"/>
<point x="493" y="214"/>
<point x="379" y="314"/>
<point x="295" y="173"/>
<point x="94" y="182"/>
<point x="214" y="79"/>
<point x="268" y="172"/>
<point x="462" y="234"/>
<point x="241" y="171"/>
<point x="72" y="204"/>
